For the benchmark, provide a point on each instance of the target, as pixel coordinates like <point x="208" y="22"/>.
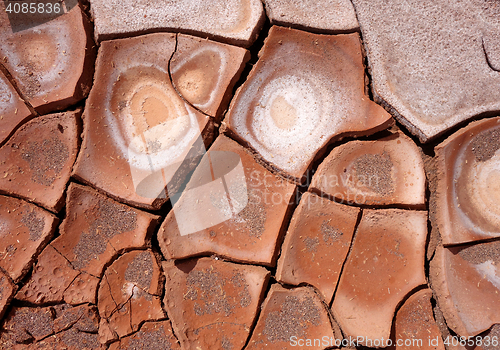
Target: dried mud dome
<point x="246" y="174"/>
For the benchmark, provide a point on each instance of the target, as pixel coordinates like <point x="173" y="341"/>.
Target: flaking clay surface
<point x="54" y="327"/>
<point x="246" y="174"/>
<point x="289" y="109"/>
<point x="129" y="294"/>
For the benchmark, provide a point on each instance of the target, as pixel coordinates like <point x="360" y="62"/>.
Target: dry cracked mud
<point x="246" y="174"/>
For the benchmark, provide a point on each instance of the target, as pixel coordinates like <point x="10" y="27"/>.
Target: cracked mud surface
<point x="239" y="174"/>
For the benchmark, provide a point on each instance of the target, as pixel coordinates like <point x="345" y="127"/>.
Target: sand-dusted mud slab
<point x="386" y="263"/>
<point x="232" y="21"/>
<point x="7" y="290"/>
<point x="129" y="294"/>
<point x="325" y="15"/>
<point x="432" y="87"/>
<point x="468" y="190"/>
<point x="140" y="136"/>
<point x="213" y="304"/>
<point x="305" y="90"/>
<point x="94" y="231"/>
<point x="205" y="72"/>
<point x="13" y="110"/>
<point x="51" y="276"/>
<point x="232" y="206"/>
<point x="389" y="171"/>
<point x="317" y="243"/>
<point x="415" y="322"/>
<point x="51" y="63"/>
<point x="152" y="335"/>
<point x="465" y="280"/>
<point x="25" y="229"/>
<point x="36" y="162"/>
<point x="290" y="316"/>
<point x="53" y="327"/>
<point x="97" y="228"/>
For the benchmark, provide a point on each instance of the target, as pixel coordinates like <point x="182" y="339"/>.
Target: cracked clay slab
<point x="468" y="191"/>
<point x="129" y="294"/>
<point x="152" y="335"/>
<point x="317" y="243"/>
<point x="52" y="62"/>
<point x="385" y="264"/>
<point x="314" y="15"/>
<point x="232" y="21"/>
<point x="232" y="206"/>
<point x="96" y="228"/>
<point x="415" y="325"/>
<point x="36" y="162"/>
<point x="140" y="137"/>
<point x="54" y="327"/>
<point x="13" y="110"/>
<point x="7" y="290"/>
<point x="305" y="90"/>
<point x="465" y="280"/>
<point x="432" y="88"/>
<point x="289" y="316"/>
<point x="213" y="304"/>
<point x="204" y="72"/>
<point x="388" y="171"/>
<point x="25" y="229"/>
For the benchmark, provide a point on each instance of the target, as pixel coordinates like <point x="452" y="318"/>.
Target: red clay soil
<point x="213" y="304"/>
<point x="230" y="175"/>
<point x="38" y="168"/>
<point x="139" y="135"/>
<point x="289" y="109"/>
<point x="389" y="171"/>
<point x="239" y="209"/>
<point x="289" y="316"/>
<point x="318" y="228"/>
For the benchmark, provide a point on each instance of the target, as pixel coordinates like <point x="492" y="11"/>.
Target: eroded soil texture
<point x="246" y="174"/>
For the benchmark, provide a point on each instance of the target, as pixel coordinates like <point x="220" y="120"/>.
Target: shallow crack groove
<point x="486" y="56"/>
<point x="322" y="194"/>
<point x="358" y="221"/>
<point x="172" y="81"/>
